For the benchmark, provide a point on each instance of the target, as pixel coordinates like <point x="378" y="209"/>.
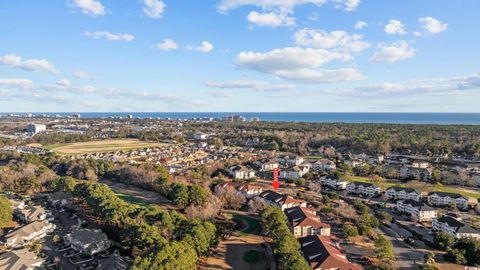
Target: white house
<point x="295" y="161"/>
<point x="267" y="165"/>
<point x="241" y="172"/>
<point x="30" y="232"/>
<point x="29" y="213"/>
<point x="200" y="136"/>
<point x="337" y="184"/>
<point x="324" y="165"/>
<point x="304" y="221"/>
<point x="401" y="193"/>
<point x="246" y="190"/>
<point x="447" y="199"/>
<point x="365" y="189"/>
<point x="418" y="210"/>
<point x="454" y="227"/>
<point x="294" y="172"/>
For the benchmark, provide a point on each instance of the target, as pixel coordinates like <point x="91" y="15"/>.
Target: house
<point x="200" y="136"/>
<point x="59" y="198"/>
<point x="17" y="204"/>
<point x="417" y="210"/>
<point x="447" y="199"/>
<point x="30" y="232"/>
<point x="420" y="164"/>
<point x="337" y="184"/>
<point x="352" y="162"/>
<point x="29" y="213"/>
<point x="324" y="165"/>
<point x="322" y="254"/>
<point x="20" y="259"/>
<point x="294" y="172"/>
<point x="304" y="221"/>
<point x="246" y="190"/>
<point x="295" y="161"/>
<point x="267" y="164"/>
<point x="365" y="189"/>
<point x="454" y="227"/>
<point x="281" y="200"/>
<point x="410" y="172"/>
<point x="401" y="193"/>
<point x="241" y="172"/>
<point x="87" y="241"/>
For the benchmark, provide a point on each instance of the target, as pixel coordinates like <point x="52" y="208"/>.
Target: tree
<point x="456" y="256"/>
<point x="384" y="248"/>
<point x="256" y="205"/>
<point x="437" y="175"/>
<point x="6" y="212"/>
<point x="378" y="181"/>
<point x="429" y="258"/>
<point x="443" y="240"/>
<point x="349" y="230"/>
<point x="231" y="198"/>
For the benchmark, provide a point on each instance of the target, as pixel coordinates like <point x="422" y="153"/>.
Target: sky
<point x="239" y="56"/>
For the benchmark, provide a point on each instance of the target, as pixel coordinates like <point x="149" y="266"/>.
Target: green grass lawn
<point x="470" y="194"/>
<point x="132" y="200"/>
<point x="253" y="224"/>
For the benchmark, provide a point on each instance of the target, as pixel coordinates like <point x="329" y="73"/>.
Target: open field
<point x="101" y="146"/>
<point x="471" y="193"/>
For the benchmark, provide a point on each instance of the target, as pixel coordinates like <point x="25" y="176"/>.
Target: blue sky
<point x="240" y="55"/>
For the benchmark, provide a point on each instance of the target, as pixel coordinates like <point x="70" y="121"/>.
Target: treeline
<point x="464" y="251"/>
<point x="367" y="138"/>
<point x="285" y="245"/>
<point x="158" y="239"/>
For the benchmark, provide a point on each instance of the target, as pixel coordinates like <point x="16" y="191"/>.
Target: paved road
<point x="406" y="257"/>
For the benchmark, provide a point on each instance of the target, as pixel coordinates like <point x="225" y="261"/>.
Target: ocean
<point x="319" y="117"/>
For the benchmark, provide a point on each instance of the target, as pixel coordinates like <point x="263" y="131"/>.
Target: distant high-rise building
<point x="36" y="128"/>
<point x="234" y="118"/>
<point x="130" y="116"/>
<point x="77" y="115"/>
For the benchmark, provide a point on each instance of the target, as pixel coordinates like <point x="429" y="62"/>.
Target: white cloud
<point x="90" y="7"/>
<point x="167" y="45"/>
<point x="17" y="83"/>
<point x="64" y="83"/>
<point x="204" y="47"/>
<point x="393" y="52"/>
<point x="360" y="25"/>
<point x="395" y="27"/>
<point x="436" y="86"/>
<point x="351" y="5"/>
<point x="227" y="5"/>
<point x="271" y="19"/>
<point x="337" y="40"/>
<point x="79" y="74"/>
<point x="109" y="36"/>
<point x="221" y="94"/>
<point x="14" y="61"/>
<point x="249" y="84"/>
<point x="432" y="25"/>
<point x="417" y="34"/>
<point x="153" y="8"/>
<point x="298" y="64"/>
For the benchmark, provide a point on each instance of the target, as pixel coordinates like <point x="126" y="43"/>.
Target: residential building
<point x="267" y="164"/>
<point x="304" y="221"/>
<point x="29" y="213"/>
<point x="441" y="199"/>
<point x="36" y="128"/>
<point x="322" y="254"/>
<point x="402" y="193"/>
<point x="324" y="165"/>
<point x="88" y="241"/>
<point x="364" y="189"/>
<point x="337" y="184"/>
<point x="59" y="198"/>
<point x="417" y="210"/>
<point x="281" y="200"/>
<point x="454" y="227"/>
<point x="294" y="172"/>
<point x="410" y="172"/>
<point x="200" y="136"/>
<point x="241" y="172"/>
<point x="30" y="232"/>
<point x="246" y="190"/>
<point x="20" y="259"/>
